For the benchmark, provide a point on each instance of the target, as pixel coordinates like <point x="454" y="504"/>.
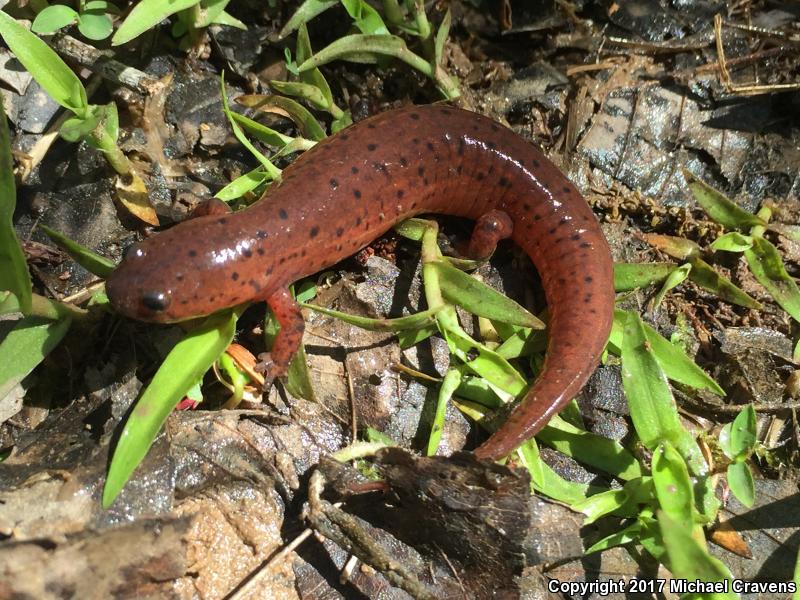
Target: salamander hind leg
<point x="275" y="363"/>
<point x="490" y="228"/>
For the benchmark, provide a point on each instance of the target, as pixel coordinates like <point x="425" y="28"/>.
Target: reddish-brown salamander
<point x="354" y="186"/>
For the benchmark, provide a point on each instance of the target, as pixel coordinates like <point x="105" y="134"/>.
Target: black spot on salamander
<point x="370" y="125"/>
<point x="504" y="182"/>
<point x="495" y="127"/>
<point x="536" y="164"/>
<point x="338" y="247"/>
<point x="526" y="206"/>
<point x="192" y="253"/>
<point x="261" y="234"/>
<point x="563" y="220"/>
<point x="566" y="189"/>
<point x="537" y="217"/>
<point x="358" y="221"/>
<point x="552" y="231"/>
<point x="269" y="270"/>
<point x="415" y="141"/>
<point x="260" y="251"/>
<point x="303" y="252"/>
<point x="380" y="168"/>
<point x="429" y="145"/>
<point x="184" y="301"/>
<point x="588" y="279"/>
<point x="344" y="136"/>
<point x="283" y="214"/>
<point x="222" y="220"/>
<point x="357" y="193"/>
<point x="475" y="127"/>
<point x="400" y="193"/>
<point x="282" y="260"/>
<point x="562" y="281"/>
<point x="334" y="184"/>
<point x="179" y="277"/>
<point x="575" y="237"/>
<point x="491" y="145"/>
<point x="414" y="116"/>
<point x="403" y="161"/>
<point x="585" y="245"/>
<point x="587" y="298"/>
<point x="421" y="171"/>
<point x="425" y="181"/>
<point x="490" y="170"/>
<point x="459" y="169"/>
<point x="446" y="111"/>
<point x="339" y="231"/>
<point x="414" y="204"/>
<point x="235" y="276"/>
<point x="354" y="170"/>
<point x="312" y="233"/>
<point x="371" y="147"/>
<point x="247" y="253"/>
<point x="460" y="150"/>
<point x="479" y="176"/>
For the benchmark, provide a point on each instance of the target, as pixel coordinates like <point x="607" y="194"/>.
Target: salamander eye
<point x="155" y="301"/>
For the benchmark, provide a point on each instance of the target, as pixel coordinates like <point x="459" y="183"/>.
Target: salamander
<point x="351" y="188"/>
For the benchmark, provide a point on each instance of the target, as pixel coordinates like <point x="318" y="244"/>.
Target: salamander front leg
<point x="275" y="363"/>
<point x="489" y="229"/>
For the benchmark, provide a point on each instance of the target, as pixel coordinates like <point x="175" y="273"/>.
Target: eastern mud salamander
<point x="354" y="186"/>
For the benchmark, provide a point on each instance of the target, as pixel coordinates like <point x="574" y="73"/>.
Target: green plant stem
<point x="54" y="310"/>
<point x="764" y="213"/>
<point x="115" y="157"/>
<point x="423" y="24"/>
<point x="393" y="13"/>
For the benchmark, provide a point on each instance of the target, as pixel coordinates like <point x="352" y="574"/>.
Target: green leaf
<point x="621" y="502"/>
<point x="676" y="365"/>
<point x="631" y="533"/>
<point x="146" y="15"/>
<point x="653" y="410"/>
<point x="732" y="242"/>
<point x="441" y="37"/>
<point x="14" y="276"/>
<point x="182" y="368"/>
<point x="53" y="18"/>
<point x="410" y="322"/>
<point x="674" y="279"/>
<point x="242" y="184"/>
<point x="450" y="383"/>
<point x="95" y="26"/>
<point x="480" y="299"/>
<point x="766" y="264"/>
<point x="307" y="11"/>
<point x="261" y="132"/>
<point x="631" y="276"/>
<point x="77" y="128"/>
<point x="26" y="345"/>
<point x="312" y="76"/>
<point x="673" y="485"/>
<point x="49" y="71"/>
<point x="224" y="18"/>
<point x="308" y="125"/>
<point x="740" y="480"/>
<point x="689" y="560"/>
<point x="718" y="206"/>
<point x="92" y="262"/>
<point x="743" y="433"/>
<point x="590" y="449"/>
<point x="367" y="48"/>
<point x="707" y="278"/>
<point x="365" y="18"/>
<point x="306" y="91"/>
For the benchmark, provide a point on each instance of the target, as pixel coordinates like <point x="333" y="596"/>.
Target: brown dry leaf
<point x="246" y="361"/>
<point x="727" y="537"/>
<point x="132" y="194"/>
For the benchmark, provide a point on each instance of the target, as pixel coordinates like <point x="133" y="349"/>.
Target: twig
<point x="102" y="63"/>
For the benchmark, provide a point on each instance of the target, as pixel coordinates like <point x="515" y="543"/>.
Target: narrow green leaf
<point x="146" y="15"/>
<point x="718" y="206"/>
<point x="14" y="276"/>
<point x="441" y="37"/>
<point x="689" y="560"/>
<point x="621" y="502"/>
<point x="53" y="18"/>
<point x="732" y="242"/>
<point x="743" y="433"/>
<point x="740" y="480"/>
<point x="243" y="184"/>
<point x="92" y="262"/>
<point x="184" y="365"/>
<point x="309" y="126"/>
<point x="766" y="264"/>
<point x="707" y="278"/>
<point x="410" y="322"/>
<point x="590" y="449"/>
<point x="675" y="363"/>
<point x="674" y="279"/>
<point x="673" y="485"/>
<point x="631" y="276"/>
<point x="49" y="71"/>
<point x="365" y="18"/>
<point x="307" y="11"/>
<point x="629" y="534"/>
<point x="312" y="76"/>
<point x="26" y="345"/>
<point x="306" y="91"/>
<point x="225" y="18"/>
<point x="450" y="383"/>
<point x="261" y="132"/>
<point x="481" y="299"/>
<point x="653" y="410"/>
<point x="360" y="48"/>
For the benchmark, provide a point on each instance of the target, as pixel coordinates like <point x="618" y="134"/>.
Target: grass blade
<point x="92" y="262"/>
<point x="631" y="276"/>
<point x="718" y="206"/>
<point x="766" y="264"/>
<point x="146" y="15"/>
<point x="183" y="367"/>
